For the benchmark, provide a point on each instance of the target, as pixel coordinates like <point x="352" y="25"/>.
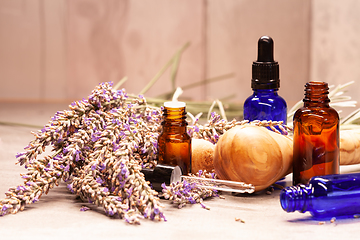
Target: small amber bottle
<point x="316" y="135"/>
<point x="174" y="143"/>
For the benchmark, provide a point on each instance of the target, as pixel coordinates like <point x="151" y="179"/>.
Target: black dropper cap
<point x="265" y="71"/>
<point x="162" y="174"/>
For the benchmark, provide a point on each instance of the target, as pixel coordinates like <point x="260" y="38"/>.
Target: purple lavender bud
<point x="196" y="128"/>
<point x="102" y="167"/>
<point x="77" y="157"/>
<point x="191" y="200"/>
<point x="155" y="144"/>
<point x="127" y="127"/>
<point x="156" y="210"/>
<point x="99" y="180"/>
<point x="162" y="216"/>
<point x="144" y="150"/>
<point x="84" y="208"/>
<point x="70" y="187"/>
<point x="203" y="205"/>
<point x="29" y="183"/>
<point x="129" y="191"/>
<point x="65" y="150"/>
<point x="115" y="146"/>
<point x="20" y="154"/>
<point x="21" y="188"/>
<point x="123" y="170"/>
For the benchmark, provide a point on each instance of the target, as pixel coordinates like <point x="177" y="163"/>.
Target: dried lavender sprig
<point x="64" y="123"/>
<point x="124" y="150"/>
<point x="182" y="193"/>
<point x="128" y="191"/>
<point x="39" y="179"/>
<point x="215" y="127"/>
<point x="273" y="125"/>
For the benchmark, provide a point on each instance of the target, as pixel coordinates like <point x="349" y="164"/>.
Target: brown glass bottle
<point x="316" y="135"/>
<point x="174" y="143"/>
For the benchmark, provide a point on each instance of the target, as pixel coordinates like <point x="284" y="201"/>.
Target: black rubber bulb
<point x="265" y="49"/>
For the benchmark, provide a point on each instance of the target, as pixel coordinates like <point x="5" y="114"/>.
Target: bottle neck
<point x="295" y="198"/>
<point x="316" y="94"/>
<point x="174" y="117"/>
<point x="266" y="91"/>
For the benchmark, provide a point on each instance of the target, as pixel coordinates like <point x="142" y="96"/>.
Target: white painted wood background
<point x="59" y="50"/>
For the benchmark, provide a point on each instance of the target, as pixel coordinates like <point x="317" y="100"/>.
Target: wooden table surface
<point x="58" y="216"/>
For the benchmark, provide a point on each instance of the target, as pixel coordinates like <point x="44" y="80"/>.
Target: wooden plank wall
<point x="59" y="50"/>
<point x="112" y="39"/>
<point x="233" y="31"/>
<point x="335" y="45"/>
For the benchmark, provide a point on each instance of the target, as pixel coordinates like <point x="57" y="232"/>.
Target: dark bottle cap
<point x="265" y="71"/>
<point x="162" y="174"/>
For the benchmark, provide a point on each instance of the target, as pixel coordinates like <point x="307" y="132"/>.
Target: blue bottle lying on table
<point x="324" y="196"/>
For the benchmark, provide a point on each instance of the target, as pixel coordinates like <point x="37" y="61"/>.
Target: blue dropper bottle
<point x="265" y="103"/>
<point x="324" y="196"/>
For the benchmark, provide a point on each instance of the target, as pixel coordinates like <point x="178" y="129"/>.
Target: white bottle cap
<point x="174" y="104"/>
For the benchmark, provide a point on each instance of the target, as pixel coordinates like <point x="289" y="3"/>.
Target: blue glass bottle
<point x="324" y="196"/>
<point x="265" y="103"/>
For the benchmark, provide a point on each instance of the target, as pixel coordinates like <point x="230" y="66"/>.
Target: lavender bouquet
<point x="99" y="147"/>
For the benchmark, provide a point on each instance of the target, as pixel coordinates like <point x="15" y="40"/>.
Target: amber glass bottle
<point x="174" y="142"/>
<point x="316" y="135"/>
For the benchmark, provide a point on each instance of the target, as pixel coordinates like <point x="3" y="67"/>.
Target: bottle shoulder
<point x="265" y="108"/>
<point x="174" y="133"/>
<point x="256" y="102"/>
<point x="316" y="119"/>
<point x="271" y="100"/>
<point x="317" y="112"/>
